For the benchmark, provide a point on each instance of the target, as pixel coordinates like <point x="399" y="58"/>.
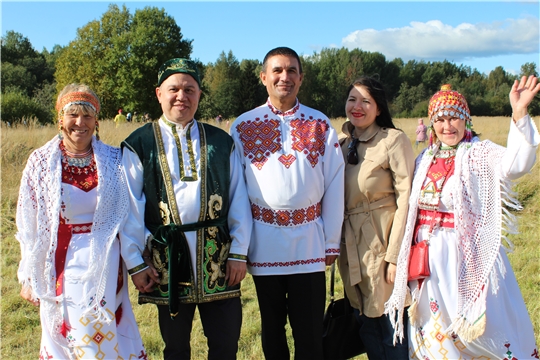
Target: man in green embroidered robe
<point x="187" y="234"/>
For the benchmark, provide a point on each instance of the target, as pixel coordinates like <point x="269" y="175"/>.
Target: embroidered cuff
<point x="237" y="257"/>
<point x="137" y="269"/>
<point x="332" y="252"/>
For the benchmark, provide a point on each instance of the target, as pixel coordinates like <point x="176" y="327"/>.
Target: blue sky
<point x="483" y="34"/>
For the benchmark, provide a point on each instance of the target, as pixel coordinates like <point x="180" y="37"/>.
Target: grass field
<point x="20" y="328"/>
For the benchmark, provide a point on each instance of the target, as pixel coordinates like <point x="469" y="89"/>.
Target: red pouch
<point x="419" y="261"/>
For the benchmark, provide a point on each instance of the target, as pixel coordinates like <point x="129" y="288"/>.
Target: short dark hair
<point x="376" y="90"/>
<point x="285" y="51"/>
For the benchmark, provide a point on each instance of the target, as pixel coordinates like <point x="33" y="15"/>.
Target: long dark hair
<point x="376" y="90"/>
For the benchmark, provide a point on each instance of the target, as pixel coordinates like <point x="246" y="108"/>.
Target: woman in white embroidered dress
<point x="470" y="305"/>
<point x="72" y="203"/>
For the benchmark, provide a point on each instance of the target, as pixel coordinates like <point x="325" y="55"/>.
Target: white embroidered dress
<point x="294" y="174"/>
<point x="91" y="317"/>
<point x="496" y="325"/>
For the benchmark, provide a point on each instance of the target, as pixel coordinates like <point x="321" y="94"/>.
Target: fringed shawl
<point x="38" y="213"/>
<point x="480" y="219"/>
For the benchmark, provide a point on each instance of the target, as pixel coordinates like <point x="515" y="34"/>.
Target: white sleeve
<point x="239" y="218"/>
<point x="333" y="203"/>
<point x="520" y="154"/>
<point x="133" y="234"/>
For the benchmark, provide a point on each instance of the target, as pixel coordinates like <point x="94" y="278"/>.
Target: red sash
<point x="65" y="231"/>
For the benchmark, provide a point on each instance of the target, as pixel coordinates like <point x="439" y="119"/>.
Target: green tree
<point x="528" y="69"/>
<point x="22" y="66"/>
<point x="26" y="75"/>
<point x="407" y="100"/>
<point x="251" y="91"/>
<point x="222" y="85"/>
<point x="119" y="55"/>
<point x="17" y="106"/>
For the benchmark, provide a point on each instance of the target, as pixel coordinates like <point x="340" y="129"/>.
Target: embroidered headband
<point x="77" y="98"/>
<point x="178" y="65"/>
<point x="448" y="102"/>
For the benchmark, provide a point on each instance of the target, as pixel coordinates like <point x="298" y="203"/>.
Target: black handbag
<point x="341" y="337"/>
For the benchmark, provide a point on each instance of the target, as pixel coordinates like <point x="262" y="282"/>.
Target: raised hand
<point x="521" y="95"/>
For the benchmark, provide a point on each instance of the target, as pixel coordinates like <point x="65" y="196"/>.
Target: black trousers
<point x="302" y="298"/>
<point x="377" y="334"/>
<point x="221" y="321"/>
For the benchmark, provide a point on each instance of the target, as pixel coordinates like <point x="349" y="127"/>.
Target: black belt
<point x="173" y="236"/>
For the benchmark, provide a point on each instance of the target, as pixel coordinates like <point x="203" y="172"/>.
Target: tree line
<point x="118" y="57"/>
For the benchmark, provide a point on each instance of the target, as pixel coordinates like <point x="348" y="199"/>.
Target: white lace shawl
<point x="480" y="219"/>
<point x="38" y="212"/>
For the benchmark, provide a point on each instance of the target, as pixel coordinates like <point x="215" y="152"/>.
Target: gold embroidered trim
<point x="190" y="151"/>
<point x="137" y="268"/>
<point x="239" y="257"/>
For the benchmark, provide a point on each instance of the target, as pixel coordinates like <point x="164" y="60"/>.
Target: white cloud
<point x="435" y="41"/>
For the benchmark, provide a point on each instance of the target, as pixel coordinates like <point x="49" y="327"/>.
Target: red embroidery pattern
<point x="286" y="217"/>
<point x="287" y="160"/>
<point x="279" y="112"/>
<point x="260" y="139"/>
<point x="85" y="178"/>
<point x="286" y="263"/>
<point x="332" y="251"/>
<point x="309" y="137"/>
<point x="435" y="218"/>
<point x="509" y="354"/>
<point x="44" y="355"/>
<point x="433" y="305"/>
<point x="83" y="181"/>
<point x="535" y="354"/>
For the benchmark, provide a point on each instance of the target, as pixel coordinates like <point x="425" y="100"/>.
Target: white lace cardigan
<point x="38" y="212"/>
<point x="481" y="221"/>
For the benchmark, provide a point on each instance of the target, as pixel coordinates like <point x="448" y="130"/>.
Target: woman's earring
<point x="60" y="129"/>
<point x="97" y="130"/>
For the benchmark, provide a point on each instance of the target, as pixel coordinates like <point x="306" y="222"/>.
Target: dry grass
<point x="20" y="330"/>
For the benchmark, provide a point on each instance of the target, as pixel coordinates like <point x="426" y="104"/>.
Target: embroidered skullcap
<point x="78" y="98"/>
<point x="178" y="65"/>
<point x="448" y="102"/>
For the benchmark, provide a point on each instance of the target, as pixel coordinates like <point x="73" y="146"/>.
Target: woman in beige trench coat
<point x="378" y="174"/>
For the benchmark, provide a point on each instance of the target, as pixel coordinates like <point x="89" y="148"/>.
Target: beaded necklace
<point x="77" y="164"/>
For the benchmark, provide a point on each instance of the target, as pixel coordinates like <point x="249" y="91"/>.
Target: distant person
<point x="294" y="172"/>
<point x="421" y="133"/>
<point x="72" y="202"/>
<point x="470" y="305"/>
<point x="187" y="235"/>
<point x="120" y="118"/>
<point x="219" y="119"/>
<point x="146" y="117"/>
<point x="136" y="117"/>
<point x="128" y="117"/>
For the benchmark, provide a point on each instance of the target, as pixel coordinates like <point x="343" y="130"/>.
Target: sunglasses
<point x="352" y="155"/>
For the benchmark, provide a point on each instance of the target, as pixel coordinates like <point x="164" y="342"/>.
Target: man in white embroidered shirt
<point x="294" y="173"/>
<point x="190" y="221"/>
